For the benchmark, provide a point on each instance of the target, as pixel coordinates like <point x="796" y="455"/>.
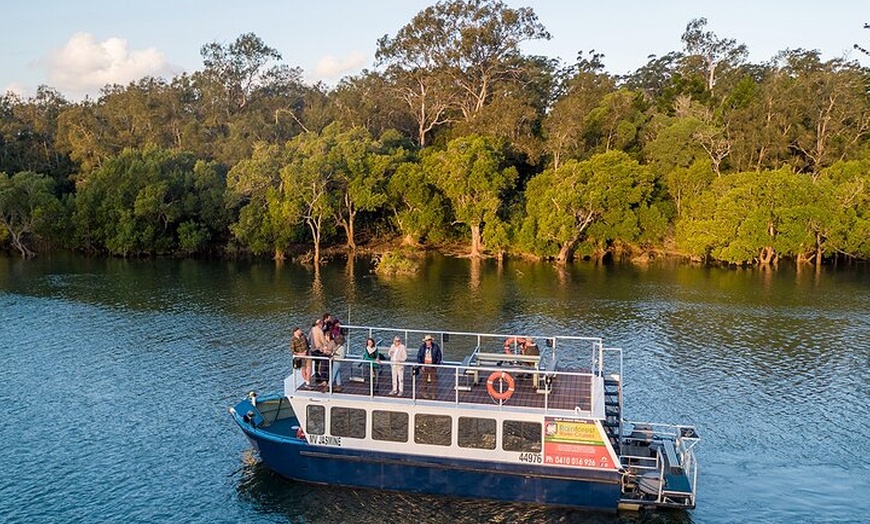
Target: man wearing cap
<point x="428" y="354"/>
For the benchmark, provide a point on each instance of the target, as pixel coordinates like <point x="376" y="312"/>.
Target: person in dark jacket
<point x="429" y="354"/>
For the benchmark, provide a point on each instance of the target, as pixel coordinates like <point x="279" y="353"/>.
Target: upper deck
<point x="542" y="377"/>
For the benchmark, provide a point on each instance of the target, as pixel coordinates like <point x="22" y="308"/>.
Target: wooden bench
<point x="485" y="359"/>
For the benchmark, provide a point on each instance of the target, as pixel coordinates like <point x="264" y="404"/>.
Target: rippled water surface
<point x="116" y="377"/>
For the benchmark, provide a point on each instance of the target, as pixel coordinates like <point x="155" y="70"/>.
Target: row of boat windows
<point x="436" y="430"/>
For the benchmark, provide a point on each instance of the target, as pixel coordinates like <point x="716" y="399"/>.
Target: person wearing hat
<point x="429" y="354"/>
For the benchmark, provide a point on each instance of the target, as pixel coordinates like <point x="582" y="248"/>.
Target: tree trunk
<point x="475" y="241"/>
<point x="565" y="253"/>
<point x="351" y="243"/>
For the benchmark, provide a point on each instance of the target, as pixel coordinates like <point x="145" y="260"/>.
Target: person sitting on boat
<point x="512" y="344"/>
<point x="530" y="348"/>
<point x="373" y="357"/>
<point x="398" y="354"/>
<point x="428" y="354"/>
<point x="299" y="346"/>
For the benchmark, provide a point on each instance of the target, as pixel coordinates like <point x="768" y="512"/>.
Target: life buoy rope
<point x="506" y="380"/>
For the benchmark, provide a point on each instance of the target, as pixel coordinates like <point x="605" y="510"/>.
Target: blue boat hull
<point x="297" y="460"/>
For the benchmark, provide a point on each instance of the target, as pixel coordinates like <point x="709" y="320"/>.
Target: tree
<point x="236" y="68"/>
<point x="136" y="202"/>
<point x="418" y="206"/>
<point x="565" y="126"/>
<point x="754" y="217"/>
<point x="362" y="168"/>
<point x="472" y="174"/>
<point x="27" y="208"/>
<point x="453" y="54"/>
<point x="712" y="50"/>
<point x="562" y="204"/>
<point x="267" y="214"/>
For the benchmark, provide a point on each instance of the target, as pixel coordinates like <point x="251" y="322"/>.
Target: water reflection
<point x="272" y="496"/>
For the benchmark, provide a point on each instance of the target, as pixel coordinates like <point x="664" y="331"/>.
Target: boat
<point x="503" y="423"/>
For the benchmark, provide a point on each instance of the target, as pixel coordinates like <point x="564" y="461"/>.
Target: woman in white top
<point x="398" y="355"/>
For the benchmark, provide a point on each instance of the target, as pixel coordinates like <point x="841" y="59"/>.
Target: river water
<point x="116" y="377"/>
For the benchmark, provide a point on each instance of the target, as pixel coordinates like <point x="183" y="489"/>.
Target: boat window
<point x="347" y="422"/>
<point x="476" y="433"/>
<point x="433" y="429"/>
<point x="315" y="421"/>
<point x="521" y="436"/>
<point x="390" y="425"/>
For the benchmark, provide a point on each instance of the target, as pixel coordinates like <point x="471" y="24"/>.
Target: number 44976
<point x="531" y="458"/>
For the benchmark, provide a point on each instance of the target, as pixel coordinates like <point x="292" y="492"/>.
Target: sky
<point x="79" y="46"/>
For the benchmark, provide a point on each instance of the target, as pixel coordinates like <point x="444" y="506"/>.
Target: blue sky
<point x="78" y="46"/>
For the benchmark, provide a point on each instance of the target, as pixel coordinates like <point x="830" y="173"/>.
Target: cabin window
<point x="476" y="433"/>
<point x="436" y="430"/>
<point x="315" y="420"/>
<point x="347" y="422"/>
<point x="521" y="436"/>
<point x="390" y="425"/>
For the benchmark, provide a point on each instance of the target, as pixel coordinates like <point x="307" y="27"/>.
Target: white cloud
<point x="331" y="67"/>
<point x="85" y="65"/>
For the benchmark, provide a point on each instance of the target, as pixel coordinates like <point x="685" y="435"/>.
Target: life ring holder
<point x="504" y="377"/>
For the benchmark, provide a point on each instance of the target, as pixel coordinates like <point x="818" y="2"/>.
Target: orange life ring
<point x="511" y="341"/>
<point x="504" y="377"/>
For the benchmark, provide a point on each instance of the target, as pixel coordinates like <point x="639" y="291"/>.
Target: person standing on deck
<point x="299" y="346"/>
<point x="337" y="355"/>
<point x="398" y="355"/>
<point x="317" y="339"/>
<point x="429" y="354"/>
<point x="373" y="357"/>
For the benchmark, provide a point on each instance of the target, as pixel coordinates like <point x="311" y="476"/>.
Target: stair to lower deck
<point x="612" y="411"/>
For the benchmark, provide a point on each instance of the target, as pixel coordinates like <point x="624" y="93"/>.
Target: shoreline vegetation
<point x="458" y="142"/>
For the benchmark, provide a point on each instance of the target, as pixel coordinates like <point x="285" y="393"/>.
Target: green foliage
<point x="418" y="207"/>
<point x="472" y="173"/>
<point x="27" y="209"/>
<point x="397" y="263"/>
<point x="596" y="201"/>
<point x="755" y="217"/>
<point x="135" y="203"/>
<point x="512" y="157"/>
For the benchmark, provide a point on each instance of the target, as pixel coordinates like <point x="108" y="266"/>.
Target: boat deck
<point x="562" y="391"/>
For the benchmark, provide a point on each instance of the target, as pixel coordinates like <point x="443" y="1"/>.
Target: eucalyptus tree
<point x="563" y="203"/>
<point x="367" y="100"/>
<point x="473" y="174"/>
<point x="452" y="55"/>
<point x="28" y="135"/>
<point x="828" y="108"/>
<point x="565" y="128"/>
<point x="28" y="209"/>
<point x="713" y="52"/>
<point x="233" y="71"/>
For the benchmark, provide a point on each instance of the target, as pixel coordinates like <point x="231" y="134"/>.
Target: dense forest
<point x="455" y="136"/>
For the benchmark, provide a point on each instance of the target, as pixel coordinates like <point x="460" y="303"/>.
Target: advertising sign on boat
<point x="576" y="442"/>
